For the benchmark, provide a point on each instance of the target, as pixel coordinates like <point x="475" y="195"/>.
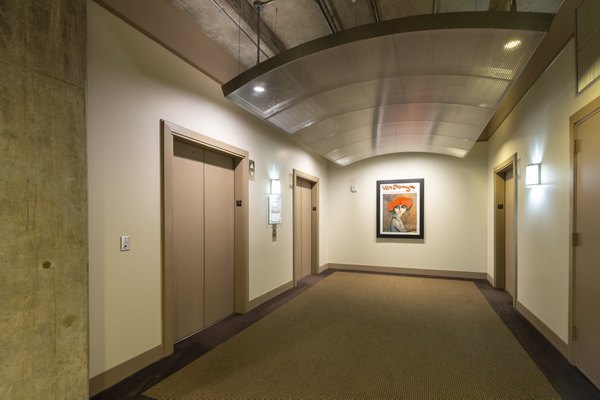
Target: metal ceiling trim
<point x="459" y="20"/>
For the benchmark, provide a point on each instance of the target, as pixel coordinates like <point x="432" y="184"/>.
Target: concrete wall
<point x="133" y="83"/>
<point x="455" y="224"/>
<point x="43" y="231"/>
<point x="538" y="131"/>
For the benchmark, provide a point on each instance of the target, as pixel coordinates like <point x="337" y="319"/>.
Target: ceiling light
<point x="513" y="44"/>
<point x="259" y="89"/>
<point x="416" y="84"/>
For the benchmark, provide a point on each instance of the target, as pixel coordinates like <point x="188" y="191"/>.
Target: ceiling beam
<point x="249" y="15"/>
<point x="561" y="31"/>
<point x="458" y="20"/>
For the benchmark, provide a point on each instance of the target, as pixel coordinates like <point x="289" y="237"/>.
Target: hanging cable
<point x="328" y="17"/>
<point x="259" y="7"/>
<point x="375" y="10"/>
<point x="236" y="24"/>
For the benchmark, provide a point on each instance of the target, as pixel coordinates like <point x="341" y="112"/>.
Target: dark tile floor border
<point x="568" y="381"/>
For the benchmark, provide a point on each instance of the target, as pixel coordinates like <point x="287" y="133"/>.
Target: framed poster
<point x="400" y="209"/>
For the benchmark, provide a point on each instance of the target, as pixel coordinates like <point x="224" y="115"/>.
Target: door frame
<point x="587" y="111"/>
<point x="314" y="219"/>
<point x="171" y="132"/>
<point x="499" y="224"/>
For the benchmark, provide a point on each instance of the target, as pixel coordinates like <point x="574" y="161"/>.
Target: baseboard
<point x="115" y="375"/>
<point x="490" y="279"/>
<point x="269" y="295"/>
<point x="544" y="330"/>
<point x="323" y="268"/>
<point x="408" y="271"/>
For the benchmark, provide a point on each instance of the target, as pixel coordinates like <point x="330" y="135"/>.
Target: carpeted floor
<point x="363" y="336"/>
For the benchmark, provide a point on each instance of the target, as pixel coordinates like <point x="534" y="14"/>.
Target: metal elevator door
<point x="203" y="238"/>
<point x="509" y="232"/>
<point x="305" y="188"/>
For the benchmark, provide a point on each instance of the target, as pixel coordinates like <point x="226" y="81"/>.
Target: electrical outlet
<point x="125" y="243"/>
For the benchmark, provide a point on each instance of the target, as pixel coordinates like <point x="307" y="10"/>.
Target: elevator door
<point x="305" y="188"/>
<point x="219" y="236"/>
<point x="509" y="231"/>
<point x="203" y="265"/>
<point x="188" y="238"/>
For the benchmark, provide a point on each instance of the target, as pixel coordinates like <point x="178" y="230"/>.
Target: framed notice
<point x="400" y="212"/>
<point x="274" y="209"/>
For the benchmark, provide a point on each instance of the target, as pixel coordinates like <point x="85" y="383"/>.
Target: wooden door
<point x="586" y="251"/>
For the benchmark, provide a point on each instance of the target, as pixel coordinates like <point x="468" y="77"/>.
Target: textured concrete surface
<point x="43" y="211"/>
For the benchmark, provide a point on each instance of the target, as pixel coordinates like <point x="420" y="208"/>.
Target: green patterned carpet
<point x="363" y="336"/>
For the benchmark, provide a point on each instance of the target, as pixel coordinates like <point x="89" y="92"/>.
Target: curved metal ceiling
<point x="418" y="84"/>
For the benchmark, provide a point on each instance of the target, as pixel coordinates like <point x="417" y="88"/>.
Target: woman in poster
<point x="397" y="208"/>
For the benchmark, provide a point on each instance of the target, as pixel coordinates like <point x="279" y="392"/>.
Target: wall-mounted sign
<point x="274" y="209"/>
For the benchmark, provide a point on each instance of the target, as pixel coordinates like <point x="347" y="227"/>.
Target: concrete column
<point x="43" y="204"/>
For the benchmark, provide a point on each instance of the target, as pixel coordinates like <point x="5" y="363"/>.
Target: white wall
<point x="538" y="131"/>
<point x="455" y="223"/>
<point x="133" y="83"/>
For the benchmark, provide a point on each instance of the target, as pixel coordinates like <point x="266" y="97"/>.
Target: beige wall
<point x="43" y="231"/>
<point x="132" y="84"/>
<point x="455" y="225"/>
<point x="538" y="131"/>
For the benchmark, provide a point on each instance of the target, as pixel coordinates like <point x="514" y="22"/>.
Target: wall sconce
<point x="532" y="174"/>
<point x="275" y="186"/>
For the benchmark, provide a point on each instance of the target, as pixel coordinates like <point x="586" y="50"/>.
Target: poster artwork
<point x="400" y="208"/>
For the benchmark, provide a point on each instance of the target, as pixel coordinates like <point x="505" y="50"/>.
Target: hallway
<point x="565" y="379"/>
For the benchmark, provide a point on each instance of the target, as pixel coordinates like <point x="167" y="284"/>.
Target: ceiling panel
<point x="373" y="89"/>
<point x="428" y="77"/>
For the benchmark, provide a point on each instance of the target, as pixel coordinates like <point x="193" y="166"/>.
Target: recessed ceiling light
<point x="259" y="89"/>
<point x="513" y="44"/>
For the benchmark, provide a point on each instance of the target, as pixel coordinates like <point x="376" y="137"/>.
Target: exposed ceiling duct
<point x="427" y="83"/>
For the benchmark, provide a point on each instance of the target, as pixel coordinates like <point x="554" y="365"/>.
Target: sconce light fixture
<point x="275" y="186"/>
<point x="532" y="174"/>
<point x="275" y="205"/>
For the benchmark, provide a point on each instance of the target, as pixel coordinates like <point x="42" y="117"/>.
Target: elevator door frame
<point x="170" y="133"/>
<point x="298" y="226"/>
<point x="499" y="224"/>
